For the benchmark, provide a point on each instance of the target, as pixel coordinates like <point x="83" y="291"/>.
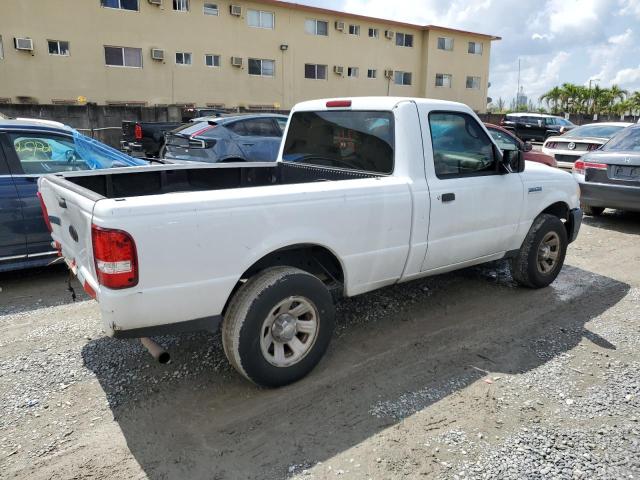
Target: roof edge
<point x="338" y="13"/>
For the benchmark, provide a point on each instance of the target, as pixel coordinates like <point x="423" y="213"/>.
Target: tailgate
<point x="70" y="211"/>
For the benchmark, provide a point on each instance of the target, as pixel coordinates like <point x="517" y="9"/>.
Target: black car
<point x="610" y="177"/>
<point x="535" y="126"/>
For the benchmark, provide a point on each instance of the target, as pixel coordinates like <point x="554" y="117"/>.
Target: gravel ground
<point x="461" y="376"/>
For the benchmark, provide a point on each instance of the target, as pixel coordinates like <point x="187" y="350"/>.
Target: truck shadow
<point x="35" y="288"/>
<point x="396" y="351"/>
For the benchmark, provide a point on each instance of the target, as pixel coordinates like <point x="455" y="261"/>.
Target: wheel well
<point x="317" y="260"/>
<point x="560" y="210"/>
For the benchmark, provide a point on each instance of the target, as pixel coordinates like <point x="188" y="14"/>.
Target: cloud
<point x="556" y="41"/>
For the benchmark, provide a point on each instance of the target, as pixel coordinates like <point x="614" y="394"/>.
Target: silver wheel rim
<point x="289" y="331"/>
<point x="548" y="252"/>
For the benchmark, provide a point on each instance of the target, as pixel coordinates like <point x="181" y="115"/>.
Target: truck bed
<point x="187" y="178"/>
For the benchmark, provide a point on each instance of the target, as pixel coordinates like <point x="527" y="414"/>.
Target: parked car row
<point x="28" y="150"/>
<point x="536" y="126"/>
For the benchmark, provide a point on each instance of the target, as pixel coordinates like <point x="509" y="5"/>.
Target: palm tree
<point x="552" y="98"/>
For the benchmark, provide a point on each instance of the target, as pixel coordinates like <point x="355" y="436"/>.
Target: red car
<point x="507" y="141"/>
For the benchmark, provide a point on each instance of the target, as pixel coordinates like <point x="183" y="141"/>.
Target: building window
<point x="260" y="19"/>
<point x="374" y="33"/>
<point x="404" y="40"/>
<point x="354" y="29"/>
<point x="445" y="43"/>
<point x="473" y="82"/>
<point x="402" y="78"/>
<point x="181" y="5"/>
<point x="58" y="47"/>
<point x="183" y="58"/>
<point x="372" y="73"/>
<point x="121" y="4"/>
<point x="123" y="57"/>
<point x="475" y="48"/>
<point x="263" y="68"/>
<point x="211" y="9"/>
<point x="211" y="60"/>
<point x="315" y="72"/>
<point x="316" y="27"/>
<point x="353" y="72"/>
<point x="443" y="80"/>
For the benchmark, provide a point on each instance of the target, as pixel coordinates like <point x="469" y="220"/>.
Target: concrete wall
<point x="88" y="27"/>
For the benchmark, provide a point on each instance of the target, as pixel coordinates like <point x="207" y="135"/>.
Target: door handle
<point x="448" y="197"/>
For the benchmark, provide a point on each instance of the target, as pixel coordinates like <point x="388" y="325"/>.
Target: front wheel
<point x="542" y="253"/>
<point x="278" y="326"/>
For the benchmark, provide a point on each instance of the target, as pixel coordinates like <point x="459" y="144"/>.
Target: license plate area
<point x="625" y="172"/>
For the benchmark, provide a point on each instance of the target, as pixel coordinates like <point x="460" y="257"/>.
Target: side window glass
<point x="262" y="127"/>
<point x="460" y="146"/>
<point x="282" y="123"/>
<point x="239" y="128"/>
<point x="42" y="153"/>
<point x="504" y="141"/>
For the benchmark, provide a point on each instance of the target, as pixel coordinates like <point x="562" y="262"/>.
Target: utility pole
<point x="590" y="98"/>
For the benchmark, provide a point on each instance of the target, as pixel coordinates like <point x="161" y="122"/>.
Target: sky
<point x="556" y="41"/>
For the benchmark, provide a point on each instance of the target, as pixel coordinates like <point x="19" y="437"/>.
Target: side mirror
<point x="512" y="161"/>
<point x="527" y="147"/>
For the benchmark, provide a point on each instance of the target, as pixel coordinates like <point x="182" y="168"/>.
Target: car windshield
<point x="343" y="139"/>
<point x="628" y="140"/>
<point x="600" y="131"/>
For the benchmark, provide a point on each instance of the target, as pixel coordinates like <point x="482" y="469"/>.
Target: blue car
<point x="241" y="138"/>
<point x="28" y="150"/>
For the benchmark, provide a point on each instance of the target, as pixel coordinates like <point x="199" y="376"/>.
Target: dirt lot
<point x="458" y="376"/>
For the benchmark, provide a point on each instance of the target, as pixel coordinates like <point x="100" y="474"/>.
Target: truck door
<point x="475" y="209"/>
<point x="12" y="238"/>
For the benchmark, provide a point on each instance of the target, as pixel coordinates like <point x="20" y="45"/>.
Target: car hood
<point x="613" y="158"/>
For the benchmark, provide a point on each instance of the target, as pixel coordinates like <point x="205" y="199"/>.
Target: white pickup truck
<point x="366" y="192"/>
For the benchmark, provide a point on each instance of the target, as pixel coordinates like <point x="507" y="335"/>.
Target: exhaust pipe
<point x="156" y="351"/>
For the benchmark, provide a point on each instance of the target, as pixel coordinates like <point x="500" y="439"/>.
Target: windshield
<point x="601" y="131"/>
<point x="345" y="139"/>
<point x="628" y="140"/>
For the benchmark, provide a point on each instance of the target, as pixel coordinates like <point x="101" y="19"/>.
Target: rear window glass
<point x="627" y="140"/>
<point x="602" y="131"/>
<point x="343" y="139"/>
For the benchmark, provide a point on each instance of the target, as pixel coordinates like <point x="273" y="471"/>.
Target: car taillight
<point x="45" y="214"/>
<point x="593" y="146"/>
<point x="581" y="166"/>
<point x="115" y="256"/>
<point x="137" y="132"/>
<point x="551" y="144"/>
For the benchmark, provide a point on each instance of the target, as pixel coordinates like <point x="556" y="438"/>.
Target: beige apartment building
<point x="253" y="54"/>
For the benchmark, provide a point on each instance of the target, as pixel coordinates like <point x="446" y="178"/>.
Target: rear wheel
<point x="278" y="326"/>
<point x="542" y="253"/>
<point x="592" y="211"/>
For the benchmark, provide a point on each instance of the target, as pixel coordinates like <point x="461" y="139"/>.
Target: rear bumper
<point x="610" y="196"/>
<point x="573" y="223"/>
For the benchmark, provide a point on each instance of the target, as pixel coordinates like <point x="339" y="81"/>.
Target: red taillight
<point x="551" y="145"/>
<point x="338" y="103"/>
<point x="205" y="129"/>
<point x="45" y="214"/>
<point x="593" y="146"/>
<point x="137" y="132"/>
<point x="116" y="260"/>
<point x="581" y="166"/>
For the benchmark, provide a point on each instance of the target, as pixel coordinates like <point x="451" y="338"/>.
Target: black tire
<point x="253" y="303"/>
<point x="525" y="267"/>
<point x="592" y="211"/>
